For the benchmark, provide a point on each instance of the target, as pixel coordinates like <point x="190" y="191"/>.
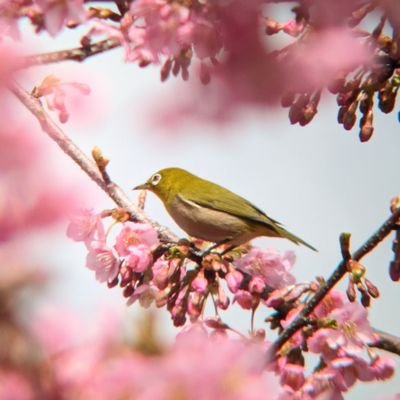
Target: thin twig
<point x="87" y="164"/>
<point x="76" y="54"/>
<point x="300" y="321"/>
<point x="387" y="342"/>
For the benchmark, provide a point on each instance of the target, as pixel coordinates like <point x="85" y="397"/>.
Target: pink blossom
<point x="352" y="334"/>
<point x="333" y="300"/>
<point x="222" y="299"/>
<point x="85" y="225"/>
<point x="202" y="367"/>
<point x="329" y="14"/>
<point x="336" y="49"/>
<point x="9" y="20"/>
<point x="56" y="329"/>
<point x="160" y="28"/>
<point x="292" y="375"/>
<point x="59" y="12"/>
<point x="56" y="93"/>
<point x="161" y="272"/>
<point x="134" y="234"/>
<point x="200" y="284"/>
<point x="233" y="279"/>
<point x="206" y="35"/>
<point x="348" y="369"/>
<point x="45" y="197"/>
<point x="244" y="299"/>
<point x="292" y="27"/>
<point x="383" y="367"/>
<point x="139" y="258"/>
<point x="14" y="386"/>
<point x="269" y="265"/>
<point x="103" y="260"/>
<point x="256" y="285"/>
<point x="195" y="306"/>
<point x="145" y="294"/>
<point x="319" y="386"/>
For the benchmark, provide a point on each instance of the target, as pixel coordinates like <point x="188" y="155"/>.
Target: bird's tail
<point x="293" y="238"/>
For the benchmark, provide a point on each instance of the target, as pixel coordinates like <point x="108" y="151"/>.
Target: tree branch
<point x="87" y="164"/>
<point x="387" y="342"/>
<point x="76" y="54"/>
<point x="301" y="320"/>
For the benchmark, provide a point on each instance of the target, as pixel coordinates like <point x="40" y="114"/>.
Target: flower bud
<point x="341" y="112"/>
<point x="387" y="99"/>
<point x="394" y="270"/>
<point x="349" y="119"/>
<point x="366" y="125"/>
<point x="337" y="85"/>
<point x="113" y="283"/>
<point x="309" y="112"/>
<point x="205" y="76"/>
<point x="166" y="69"/>
<point x="351" y="291"/>
<point x="372" y="289"/>
<point x="288" y="99"/>
<point x="128" y="291"/>
<point x="366" y="102"/>
<point x="365" y="299"/>
<point x="271" y="26"/>
<point x="126" y="276"/>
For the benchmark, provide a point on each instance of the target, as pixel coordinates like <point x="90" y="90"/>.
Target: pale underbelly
<point x="211" y="225"/>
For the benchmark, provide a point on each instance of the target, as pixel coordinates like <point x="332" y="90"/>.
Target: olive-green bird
<point x="210" y="212"/>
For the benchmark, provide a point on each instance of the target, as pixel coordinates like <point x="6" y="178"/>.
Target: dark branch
<point x="337" y="274"/>
<point x="387" y="342"/>
<point x="76" y="54"/>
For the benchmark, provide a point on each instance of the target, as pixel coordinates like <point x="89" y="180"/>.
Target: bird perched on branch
<point x="210" y="212"/>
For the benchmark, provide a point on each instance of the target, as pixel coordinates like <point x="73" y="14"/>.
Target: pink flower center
<point x="131" y="240"/>
<point x="349" y="329"/>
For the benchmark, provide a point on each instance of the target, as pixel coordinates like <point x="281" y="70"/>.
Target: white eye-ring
<point x="155" y="179"/>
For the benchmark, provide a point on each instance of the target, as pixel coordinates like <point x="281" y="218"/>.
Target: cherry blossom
<point x="86" y="225"/>
<point x="133" y="234"/>
<point x="351" y="331"/>
<point x="269" y="266"/>
<point x="103" y="260"/>
<point x="57" y="13"/>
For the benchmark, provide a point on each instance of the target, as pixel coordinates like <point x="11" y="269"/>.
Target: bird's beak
<point x="143" y="186"/>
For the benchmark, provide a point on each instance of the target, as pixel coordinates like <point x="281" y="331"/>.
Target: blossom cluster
<point x="151" y="272"/>
<point x="341" y="337"/>
<point x="222" y="41"/>
<point x="90" y="359"/>
<point x="59" y="355"/>
<point x="173" y="279"/>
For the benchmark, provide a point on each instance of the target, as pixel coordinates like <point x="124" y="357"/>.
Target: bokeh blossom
<point x="57" y="13"/>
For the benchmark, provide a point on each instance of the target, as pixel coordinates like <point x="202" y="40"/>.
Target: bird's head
<point x="167" y="183"/>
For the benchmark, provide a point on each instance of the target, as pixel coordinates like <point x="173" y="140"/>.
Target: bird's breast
<point x="206" y="223"/>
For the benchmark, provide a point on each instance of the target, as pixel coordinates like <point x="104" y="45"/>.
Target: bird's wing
<point x="221" y="199"/>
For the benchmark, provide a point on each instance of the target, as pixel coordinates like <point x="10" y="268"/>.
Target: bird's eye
<point x="155" y="179"/>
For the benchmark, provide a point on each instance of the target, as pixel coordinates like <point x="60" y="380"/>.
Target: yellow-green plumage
<point x="210" y="212"/>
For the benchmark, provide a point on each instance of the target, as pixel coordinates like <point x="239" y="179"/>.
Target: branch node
<point x="101" y="163"/>
<point x="344" y="241"/>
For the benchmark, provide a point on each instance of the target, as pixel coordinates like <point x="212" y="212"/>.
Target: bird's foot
<point x="216" y="245"/>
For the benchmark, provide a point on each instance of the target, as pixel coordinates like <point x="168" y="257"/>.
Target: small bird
<point x="210" y="212"/>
